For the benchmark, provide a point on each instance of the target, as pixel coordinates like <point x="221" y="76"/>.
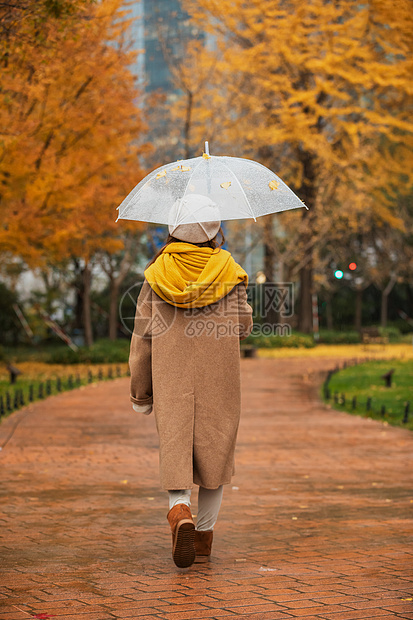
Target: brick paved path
<point x="317" y="524"/>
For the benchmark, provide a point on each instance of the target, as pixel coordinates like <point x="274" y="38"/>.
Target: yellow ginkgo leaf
<point x="185" y="168"/>
<point x="273" y="185"/>
<point x="226" y="185"/>
<point x="176" y="168"/>
<point x="206" y="156"/>
<point x="161" y="174"/>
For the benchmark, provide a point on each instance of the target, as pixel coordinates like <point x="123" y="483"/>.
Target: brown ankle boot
<point x="203" y="544"/>
<point x="183" y="532"/>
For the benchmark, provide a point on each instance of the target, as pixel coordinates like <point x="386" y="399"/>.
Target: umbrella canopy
<point x="241" y="188"/>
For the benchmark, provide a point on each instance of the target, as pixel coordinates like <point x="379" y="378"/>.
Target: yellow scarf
<point x="189" y="276"/>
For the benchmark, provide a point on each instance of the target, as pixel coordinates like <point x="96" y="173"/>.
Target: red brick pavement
<point x="316" y="525"/>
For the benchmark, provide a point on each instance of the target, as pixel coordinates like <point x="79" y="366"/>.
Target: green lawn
<point x="364" y="381"/>
<point x="39" y="380"/>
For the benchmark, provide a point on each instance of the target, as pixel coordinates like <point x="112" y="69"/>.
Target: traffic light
<point x="338" y="274"/>
<point x="352" y="266"/>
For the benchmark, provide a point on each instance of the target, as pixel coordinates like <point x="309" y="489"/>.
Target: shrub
<point x="392" y="333"/>
<point x="275" y="342"/>
<point x="336" y="337"/>
<point x="101" y="352"/>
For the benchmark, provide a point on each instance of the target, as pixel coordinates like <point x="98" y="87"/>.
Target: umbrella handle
<point x="206" y="148"/>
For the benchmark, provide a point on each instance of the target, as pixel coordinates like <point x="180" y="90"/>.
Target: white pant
<point x="209" y="503"/>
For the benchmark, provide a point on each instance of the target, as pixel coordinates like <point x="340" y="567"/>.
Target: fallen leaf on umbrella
<point x="185" y="168"/>
<point x="176" y="168"/>
<point x="273" y="185"/>
<point x="226" y="185"/>
<point x="161" y="174"/>
<point x="206" y="156"/>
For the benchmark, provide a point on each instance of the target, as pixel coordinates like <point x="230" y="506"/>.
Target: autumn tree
<point x="320" y="92"/>
<point x="71" y="133"/>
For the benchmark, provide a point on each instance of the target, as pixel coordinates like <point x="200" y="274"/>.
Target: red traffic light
<point x="352" y="266"/>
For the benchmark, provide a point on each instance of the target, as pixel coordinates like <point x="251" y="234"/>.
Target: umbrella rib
<point x="242" y="189"/>
<point x="192" y="174"/>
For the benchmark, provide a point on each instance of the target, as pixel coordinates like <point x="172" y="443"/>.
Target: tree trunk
<point x="384" y="301"/>
<point x="86" y="314"/>
<point x="307" y="193"/>
<point x="113" y="308"/>
<point x="383" y="312"/>
<point x="271" y="314"/>
<point x="78" y="284"/>
<point x="305" y="317"/>
<point x="187" y="126"/>
<point x="358" y="309"/>
<point x="269" y="252"/>
<point x="329" y="311"/>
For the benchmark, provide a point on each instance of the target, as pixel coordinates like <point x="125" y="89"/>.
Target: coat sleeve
<point x="244" y="312"/>
<point x="140" y="356"/>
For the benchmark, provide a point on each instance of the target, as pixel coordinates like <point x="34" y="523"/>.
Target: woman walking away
<point x="184" y="362"/>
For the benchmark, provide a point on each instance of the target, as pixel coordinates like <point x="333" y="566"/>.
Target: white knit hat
<point x="194" y="218"/>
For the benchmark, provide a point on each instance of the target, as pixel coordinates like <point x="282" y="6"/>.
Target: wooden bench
<point x="372" y="336"/>
<point x="248" y="350"/>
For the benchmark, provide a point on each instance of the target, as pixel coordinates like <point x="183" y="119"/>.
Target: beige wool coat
<point x="187" y="363"/>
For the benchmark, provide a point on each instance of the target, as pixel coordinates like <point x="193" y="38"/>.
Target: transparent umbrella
<point x="241" y="188"/>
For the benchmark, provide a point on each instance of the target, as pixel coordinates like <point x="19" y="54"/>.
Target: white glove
<point x="145" y="409"/>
